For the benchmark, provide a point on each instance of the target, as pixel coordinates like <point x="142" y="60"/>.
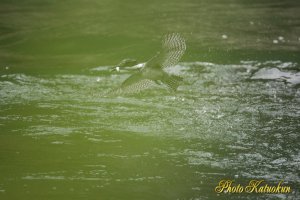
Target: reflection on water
<point x="218" y="125"/>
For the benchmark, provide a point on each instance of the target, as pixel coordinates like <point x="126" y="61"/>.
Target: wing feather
<point x="173" y="47"/>
<point x="134" y="84"/>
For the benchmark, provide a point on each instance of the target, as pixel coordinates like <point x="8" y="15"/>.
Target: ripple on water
<point x="241" y="119"/>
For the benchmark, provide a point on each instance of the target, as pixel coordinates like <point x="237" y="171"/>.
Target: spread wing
<point x="134" y="84"/>
<point x="173" y="47"/>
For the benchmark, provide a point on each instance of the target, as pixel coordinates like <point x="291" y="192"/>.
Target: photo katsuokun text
<point x="253" y="186"/>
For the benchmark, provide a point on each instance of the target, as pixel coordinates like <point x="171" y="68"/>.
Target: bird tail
<point x="172" y="81"/>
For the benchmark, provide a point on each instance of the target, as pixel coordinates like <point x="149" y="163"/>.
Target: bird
<point x="153" y="72"/>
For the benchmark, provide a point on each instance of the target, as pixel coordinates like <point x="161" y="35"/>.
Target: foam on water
<point x="276" y="74"/>
<point x="238" y="120"/>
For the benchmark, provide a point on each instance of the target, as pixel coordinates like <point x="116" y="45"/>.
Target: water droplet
<point x="224" y="37"/>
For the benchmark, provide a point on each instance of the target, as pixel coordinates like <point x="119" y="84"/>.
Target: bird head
<point x="124" y="63"/>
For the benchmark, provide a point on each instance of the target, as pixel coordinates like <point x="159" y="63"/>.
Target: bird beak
<point x="117" y="68"/>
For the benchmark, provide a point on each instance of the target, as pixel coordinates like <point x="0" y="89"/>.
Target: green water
<point x="235" y="116"/>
